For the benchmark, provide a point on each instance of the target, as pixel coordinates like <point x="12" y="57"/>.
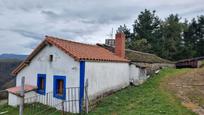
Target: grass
<point x="147" y="99"/>
<point x="30" y="110"/>
<point x="150" y="98"/>
<point x="202" y="63"/>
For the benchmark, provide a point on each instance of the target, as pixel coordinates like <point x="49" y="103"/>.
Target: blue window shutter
<point x="82" y="77"/>
<point x="55" y="84"/>
<point x="39" y="77"/>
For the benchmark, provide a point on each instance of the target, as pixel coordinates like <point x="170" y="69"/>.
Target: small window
<point x="60" y="84"/>
<point x="41" y="84"/>
<point x="59" y="87"/>
<point x="51" y="58"/>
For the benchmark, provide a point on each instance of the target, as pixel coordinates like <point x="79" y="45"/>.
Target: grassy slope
<point x="29" y="110"/>
<point x="147" y="99"/>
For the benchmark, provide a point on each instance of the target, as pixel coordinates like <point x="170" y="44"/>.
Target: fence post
<point x="47" y="99"/>
<point x="63" y="113"/>
<point x="86" y="97"/>
<point x="7" y="94"/>
<point x="22" y="96"/>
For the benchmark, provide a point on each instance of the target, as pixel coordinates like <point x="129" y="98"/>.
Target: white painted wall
<point x="142" y="74"/>
<point x="134" y="74"/>
<point x="62" y="65"/>
<point x="105" y="76"/>
<point x="137" y="75"/>
<point x="14" y="100"/>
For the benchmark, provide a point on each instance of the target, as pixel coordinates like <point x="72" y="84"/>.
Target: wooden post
<point x="47" y="99"/>
<point x="63" y="113"/>
<point x="22" y="96"/>
<point x="86" y="97"/>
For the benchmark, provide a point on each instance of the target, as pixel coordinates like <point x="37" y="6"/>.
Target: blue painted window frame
<point x="56" y="78"/>
<point x="41" y="76"/>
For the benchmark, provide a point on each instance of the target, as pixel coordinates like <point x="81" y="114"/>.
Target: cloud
<point x="193" y="12"/>
<point x="24" y="23"/>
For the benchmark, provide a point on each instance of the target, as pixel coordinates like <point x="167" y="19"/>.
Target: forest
<point x="172" y="38"/>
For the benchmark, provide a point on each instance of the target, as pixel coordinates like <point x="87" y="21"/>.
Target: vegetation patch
<point x="202" y="63"/>
<point x="31" y="109"/>
<point x="150" y="98"/>
<point x="147" y="99"/>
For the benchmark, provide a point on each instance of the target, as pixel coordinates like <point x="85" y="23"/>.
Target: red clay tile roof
<point x="79" y="51"/>
<point x="16" y="90"/>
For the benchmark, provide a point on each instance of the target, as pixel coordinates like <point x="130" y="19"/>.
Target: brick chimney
<point x="120" y="44"/>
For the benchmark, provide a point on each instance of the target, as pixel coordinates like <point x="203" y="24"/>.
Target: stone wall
<point x="152" y="67"/>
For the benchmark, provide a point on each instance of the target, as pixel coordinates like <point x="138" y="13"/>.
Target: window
<point x="51" y="58"/>
<point x="41" y="83"/>
<point x="59" y="87"/>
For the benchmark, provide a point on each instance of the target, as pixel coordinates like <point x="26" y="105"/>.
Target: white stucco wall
<point x="137" y="75"/>
<point x="14" y="100"/>
<point x="105" y="76"/>
<point x="134" y="73"/>
<point x="62" y="65"/>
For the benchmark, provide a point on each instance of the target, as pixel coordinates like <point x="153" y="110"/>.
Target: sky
<point x="24" y="23"/>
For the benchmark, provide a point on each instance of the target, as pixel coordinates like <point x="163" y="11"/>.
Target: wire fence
<point x="48" y="104"/>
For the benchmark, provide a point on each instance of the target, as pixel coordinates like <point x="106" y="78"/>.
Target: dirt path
<point x="189" y="88"/>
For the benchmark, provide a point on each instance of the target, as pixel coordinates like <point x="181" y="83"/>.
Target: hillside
<point x="12" y="56"/>
<point x="6" y="66"/>
<point x="150" y="98"/>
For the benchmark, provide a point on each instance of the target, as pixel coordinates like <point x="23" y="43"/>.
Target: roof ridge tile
<point x="52" y="37"/>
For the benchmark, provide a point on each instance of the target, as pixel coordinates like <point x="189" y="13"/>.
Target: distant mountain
<point x="6" y="67"/>
<point x="13" y="56"/>
<point x="8" y="62"/>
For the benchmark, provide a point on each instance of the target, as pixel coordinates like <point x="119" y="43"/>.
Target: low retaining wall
<point x="152" y="67"/>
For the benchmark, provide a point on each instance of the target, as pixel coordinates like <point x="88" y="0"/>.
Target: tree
<point x="145" y="29"/>
<point x="194" y="37"/>
<point x="190" y="39"/>
<point x="200" y="35"/>
<point x="170" y="39"/>
<point x="127" y="33"/>
<point x="172" y="30"/>
<point x="146" y="26"/>
<point x="132" y="42"/>
<point x="125" y="30"/>
<point x="140" y="45"/>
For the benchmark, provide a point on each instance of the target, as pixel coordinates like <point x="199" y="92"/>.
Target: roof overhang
<point x="46" y="42"/>
<point x="17" y="90"/>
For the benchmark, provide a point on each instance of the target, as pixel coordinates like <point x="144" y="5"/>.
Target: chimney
<point x="120" y="44"/>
